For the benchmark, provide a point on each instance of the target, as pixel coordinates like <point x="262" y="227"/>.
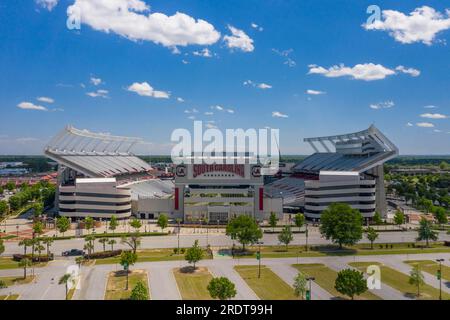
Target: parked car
<point x="73" y="253"/>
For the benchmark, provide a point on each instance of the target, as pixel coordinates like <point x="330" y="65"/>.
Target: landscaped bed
<point x="431" y="267"/>
<point x="326" y="277"/>
<point x="269" y="286"/>
<point x="116" y="284"/>
<point x="192" y="284"/>
<point x="399" y="281"/>
<point x="12" y="281"/>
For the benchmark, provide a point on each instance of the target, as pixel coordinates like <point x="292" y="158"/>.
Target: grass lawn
<point x="10" y="297"/>
<point x="9" y="263"/>
<point x="269" y="286"/>
<point x="330" y="250"/>
<point x="150" y="255"/>
<point x="431" y="267"/>
<point x="326" y="277"/>
<point x="115" y="288"/>
<point x="192" y="285"/>
<point x="399" y="281"/>
<point x="11" y="281"/>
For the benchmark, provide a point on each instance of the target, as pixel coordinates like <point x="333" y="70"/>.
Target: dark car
<point x="73" y="252"/>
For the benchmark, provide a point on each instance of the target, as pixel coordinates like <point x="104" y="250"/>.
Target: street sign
<point x="258" y="255"/>
<point x="438" y="274"/>
<point x="125" y="266"/>
<point x="308" y="295"/>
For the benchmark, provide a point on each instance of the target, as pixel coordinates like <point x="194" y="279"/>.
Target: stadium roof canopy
<point x="359" y="151"/>
<point x="95" y="155"/>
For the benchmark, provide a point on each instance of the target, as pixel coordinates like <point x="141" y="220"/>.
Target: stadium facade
<point x="99" y="176"/>
<point x="345" y="168"/>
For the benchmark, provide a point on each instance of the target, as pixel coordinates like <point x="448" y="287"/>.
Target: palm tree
<point x="39" y="247"/>
<point x="112" y="242"/>
<point x="103" y="241"/>
<point x="48" y="242"/>
<point x="65" y="280"/>
<point x="25" y="243"/>
<point x="25" y="263"/>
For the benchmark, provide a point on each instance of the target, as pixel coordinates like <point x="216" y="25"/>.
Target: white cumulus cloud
<point x="206" y="53"/>
<point x="421" y="25"/>
<point x="96" y="81"/>
<point x="146" y="90"/>
<point x="433" y="116"/>
<point x="314" y="92"/>
<point x="47" y="4"/>
<point x="382" y="105"/>
<point x="277" y="114"/>
<point x="132" y="19"/>
<point x="45" y="99"/>
<point x="263" y="86"/>
<point x="31" y="106"/>
<point x="365" y="71"/>
<point x="98" y="94"/>
<point x="239" y="40"/>
<point x="425" y="125"/>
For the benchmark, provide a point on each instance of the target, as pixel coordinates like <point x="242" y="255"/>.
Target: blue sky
<point x="127" y="81"/>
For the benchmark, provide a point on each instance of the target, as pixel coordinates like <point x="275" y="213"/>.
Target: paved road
<point x="216" y="240"/>
<point x="163" y="285"/>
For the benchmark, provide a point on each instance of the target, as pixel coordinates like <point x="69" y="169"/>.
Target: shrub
<point x="104" y="255"/>
<point x="183" y="250"/>
<point x="43" y="258"/>
<point x="3" y="284"/>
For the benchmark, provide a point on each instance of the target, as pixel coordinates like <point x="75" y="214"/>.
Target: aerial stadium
<point x="100" y="177"/>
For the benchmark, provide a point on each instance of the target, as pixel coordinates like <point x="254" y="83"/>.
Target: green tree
<point x="128" y="258"/>
<point x="426" y="232"/>
<point x="273" y="220"/>
<point x="139" y="292"/>
<point x="377" y="218"/>
<point x="89" y="246"/>
<point x="341" y="224"/>
<point x="63" y="224"/>
<point x="103" y="241"/>
<point x="441" y="215"/>
<point x="65" y="280"/>
<point x="88" y="223"/>
<point x="25" y="263"/>
<point x="10" y="186"/>
<point x="113" y="224"/>
<point x="2" y="247"/>
<point x="79" y="261"/>
<point x="299" y="220"/>
<point x="135" y="224"/>
<point x="112" y="242"/>
<point x="3" y="207"/>
<point x="194" y="254"/>
<point x="244" y="229"/>
<point x="300" y="285"/>
<point x="48" y="241"/>
<point x="221" y="288"/>
<point x="39" y="247"/>
<point x="38" y="209"/>
<point x="286" y="236"/>
<point x="162" y="222"/>
<point x="351" y="283"/>
<point x="38" y="228"/>
<point x="416" y="278"/>
<point x="25" y="243"/>
<point x="133" y="241"/>
<point x="372" y="235"/>
<point x="399" y="218"/>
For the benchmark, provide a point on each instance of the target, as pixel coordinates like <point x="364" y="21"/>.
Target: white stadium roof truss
<point x="95" y="154"/>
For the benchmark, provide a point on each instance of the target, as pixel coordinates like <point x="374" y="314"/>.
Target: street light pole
<point x="310" y="288"/>
<point x="306" y="234"/>
<point x="259" y="259"/>
<point x="440" y="277"/>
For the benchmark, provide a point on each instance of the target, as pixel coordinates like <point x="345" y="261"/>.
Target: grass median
<point x="13" y="281"/>
<point x="193" y="284"/>
<point x="9" y="263"/>
<point x="116" y="284"/>
<point x="150" y="255"/>
<point x="332" y="250"/>
<point x="431" y="267"/>
<point x="326" y="278"/>
<point x="269" y="286"/>
<point x="400" y="281"/>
